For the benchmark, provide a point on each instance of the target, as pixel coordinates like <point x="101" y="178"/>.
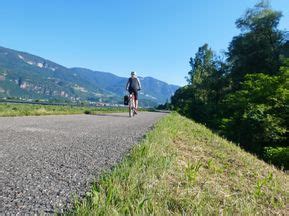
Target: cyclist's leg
<point x="135" y="102"/>
<point x="130" y="97"/>
<point x="130" y="103"/>
<point x="136" y="99"/>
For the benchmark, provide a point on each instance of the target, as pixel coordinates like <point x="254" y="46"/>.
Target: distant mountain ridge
<point x="29" y="76"/>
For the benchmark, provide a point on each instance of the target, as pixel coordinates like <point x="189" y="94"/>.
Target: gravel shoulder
<point x="46" y="161"/>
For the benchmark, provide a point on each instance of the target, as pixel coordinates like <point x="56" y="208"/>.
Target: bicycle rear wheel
<point x="130" y="107"/>
<point x="130" y="111"/>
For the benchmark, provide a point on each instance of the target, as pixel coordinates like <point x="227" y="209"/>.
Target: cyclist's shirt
<point x="133" y="84"/>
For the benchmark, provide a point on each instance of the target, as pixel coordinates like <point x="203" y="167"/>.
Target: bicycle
<point x="131" y="105"/>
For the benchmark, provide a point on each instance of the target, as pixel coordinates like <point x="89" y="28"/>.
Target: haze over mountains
<point x="32" y="77"/>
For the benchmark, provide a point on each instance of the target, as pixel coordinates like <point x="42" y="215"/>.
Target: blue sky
<point x="152" y="37"/>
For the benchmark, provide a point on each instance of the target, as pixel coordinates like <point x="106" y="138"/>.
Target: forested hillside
<point x="23" y="75"/>
<point x="244" y="94"/>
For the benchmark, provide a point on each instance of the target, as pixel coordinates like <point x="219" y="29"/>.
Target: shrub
<point x="87" y="112"/>
<point x="278" y="156"/>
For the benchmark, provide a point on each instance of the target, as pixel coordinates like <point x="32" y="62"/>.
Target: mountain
<point x="29" y="76"/>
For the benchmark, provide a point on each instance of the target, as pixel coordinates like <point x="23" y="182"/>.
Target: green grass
<point x="182" y="168"/>
<point x="37" y="110"/>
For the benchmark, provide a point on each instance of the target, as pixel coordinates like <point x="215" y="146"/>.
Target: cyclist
<point x="133" y="86"/>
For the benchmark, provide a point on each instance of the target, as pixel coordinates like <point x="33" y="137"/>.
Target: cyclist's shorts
<point x="131" y="90"/>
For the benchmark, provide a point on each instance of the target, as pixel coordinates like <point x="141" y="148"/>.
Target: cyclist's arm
<point x="139" y="85"/>
<point x="127" y="84"/>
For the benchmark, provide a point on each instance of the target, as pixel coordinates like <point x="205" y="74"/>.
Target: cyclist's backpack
<point x="125" y="100"/>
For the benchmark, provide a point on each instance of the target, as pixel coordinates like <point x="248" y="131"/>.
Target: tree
<point x="285" y="47"/>
<point x="182" y="100"/>
<point x="203" y="70"/>
<point x="199" y="100"/>
<point x="245" y="97"/>
<point x="258" y="113"/>
<point x="257" y="49"/>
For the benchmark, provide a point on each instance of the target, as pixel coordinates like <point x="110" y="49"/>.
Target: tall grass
<point x="182" y="168"/>
<point x="37" y="110"/>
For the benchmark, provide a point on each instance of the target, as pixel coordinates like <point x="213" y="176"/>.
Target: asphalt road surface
<point x="46" y="161"/>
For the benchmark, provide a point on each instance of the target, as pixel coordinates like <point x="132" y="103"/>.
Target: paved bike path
<point x="47" y="160"/>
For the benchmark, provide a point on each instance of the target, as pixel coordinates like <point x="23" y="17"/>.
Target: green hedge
<point x="278" y="156"/>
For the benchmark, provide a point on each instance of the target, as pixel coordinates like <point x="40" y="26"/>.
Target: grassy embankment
<point x="182" y="167"/>
<point x="37" y="110"/>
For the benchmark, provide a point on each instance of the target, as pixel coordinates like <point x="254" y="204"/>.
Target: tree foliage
<point x="245" y="97"/>
<point x="257" y="49"/>
<point x="206" y="80"/>
<point x="257" y="114"/>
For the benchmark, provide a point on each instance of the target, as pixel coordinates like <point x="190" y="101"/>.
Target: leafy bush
<point x="278" y="156"/>
<point x="257" y="114"/>
<point x="87" y="112"/>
